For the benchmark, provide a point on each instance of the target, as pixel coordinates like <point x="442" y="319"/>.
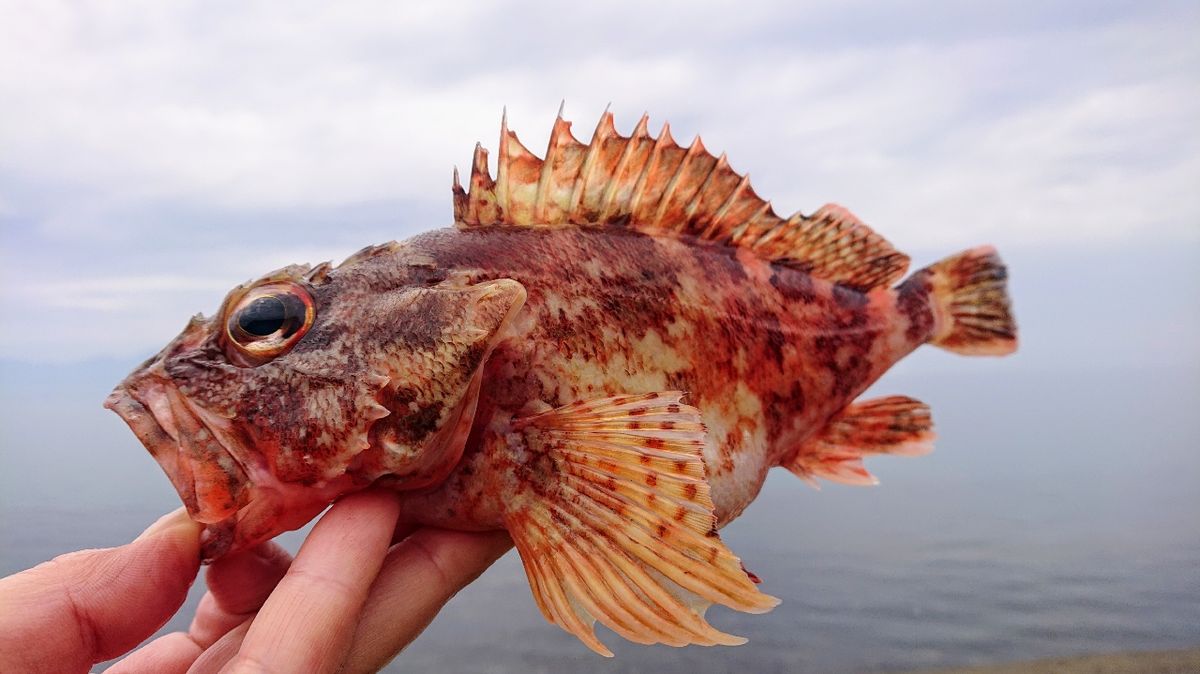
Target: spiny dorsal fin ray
<point x="650" y="184"/>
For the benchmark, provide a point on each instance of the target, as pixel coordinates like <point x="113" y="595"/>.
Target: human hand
<point x="350" y="601"/>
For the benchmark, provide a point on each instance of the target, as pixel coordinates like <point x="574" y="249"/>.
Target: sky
<point x="153" y="155"/>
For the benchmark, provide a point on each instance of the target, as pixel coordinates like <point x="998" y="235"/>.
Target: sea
<point x="1058" y="516"/>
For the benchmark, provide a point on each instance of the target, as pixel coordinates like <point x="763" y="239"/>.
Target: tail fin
<point x="970" y="304"/>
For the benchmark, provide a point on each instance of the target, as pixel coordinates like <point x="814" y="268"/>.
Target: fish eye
<point x="266" y="322"/>
<point x="264" y="316"/>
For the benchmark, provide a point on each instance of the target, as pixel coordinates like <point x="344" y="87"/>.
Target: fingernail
<point x="177" y="519"/>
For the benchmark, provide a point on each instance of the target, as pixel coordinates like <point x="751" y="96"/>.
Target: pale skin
<point x="362" y="587"/>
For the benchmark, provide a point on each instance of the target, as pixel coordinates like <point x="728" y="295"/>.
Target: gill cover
<point x="435" y="368"/>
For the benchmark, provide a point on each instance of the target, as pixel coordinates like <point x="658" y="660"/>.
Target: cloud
<point x="114" y="293"/>
<point x="190" y="140"/>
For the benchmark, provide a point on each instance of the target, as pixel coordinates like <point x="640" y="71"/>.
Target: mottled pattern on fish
<point x="766" y="352"/>
<point x="605" y="357"/>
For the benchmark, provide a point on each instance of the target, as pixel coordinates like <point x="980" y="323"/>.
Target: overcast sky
<point x="154" y="154"/>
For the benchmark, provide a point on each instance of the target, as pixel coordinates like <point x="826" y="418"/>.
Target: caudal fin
<point x="970" y="303"/>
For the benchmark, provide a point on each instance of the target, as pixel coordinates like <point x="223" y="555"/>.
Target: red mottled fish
<point x="604" y="356"/>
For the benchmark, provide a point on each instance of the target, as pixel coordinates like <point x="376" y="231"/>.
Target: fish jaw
<point x="210" y="482"/>
<point x="222" y="486"/>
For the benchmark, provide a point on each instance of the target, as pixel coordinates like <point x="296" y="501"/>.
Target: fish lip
<point x="152" y="432"/>
<point x="149" y="431"/>
<point x="158" y="414"/>
<point x="150" y="406"/>
<point x="216" y="538"/>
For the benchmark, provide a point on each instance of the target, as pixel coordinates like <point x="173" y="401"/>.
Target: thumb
<point x="93" y="605"/>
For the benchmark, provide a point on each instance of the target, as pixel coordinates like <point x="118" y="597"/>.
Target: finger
<point x="307" y="623"/>
<point x="418" y="577"/>
<point x="85" y="607"/>
<point x="218" y="655"/>
<point x="404" y="529"/>
<point x="238" y="585"/>
<point x="241" y="582"/>
<point x="171" y="653"/>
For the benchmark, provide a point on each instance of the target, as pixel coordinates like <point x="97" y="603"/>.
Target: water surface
<point x="1058" y="516"/>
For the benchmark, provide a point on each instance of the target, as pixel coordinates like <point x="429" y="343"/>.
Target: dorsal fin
<point x="652" y="184"/>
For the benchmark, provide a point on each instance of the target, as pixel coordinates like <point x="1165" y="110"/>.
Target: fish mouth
<point x="211" y="482"/>
<point x="142" y="422"/>
<point x="238" y="501"/>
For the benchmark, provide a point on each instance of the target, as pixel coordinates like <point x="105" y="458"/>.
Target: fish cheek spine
<point x="435" y="369"/>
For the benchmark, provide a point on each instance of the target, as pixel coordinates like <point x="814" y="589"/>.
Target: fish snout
<point x="210" y="481"/>
<point x="213" y="467"/>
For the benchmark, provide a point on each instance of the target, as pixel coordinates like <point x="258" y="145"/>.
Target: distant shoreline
<point x="1143" y="662"/>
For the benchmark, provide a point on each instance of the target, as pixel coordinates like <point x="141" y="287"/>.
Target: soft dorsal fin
<point x="652" y="184"/>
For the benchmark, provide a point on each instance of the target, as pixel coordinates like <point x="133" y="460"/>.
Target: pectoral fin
<point x="614" y="522"/>
<point x="893" y="425"/>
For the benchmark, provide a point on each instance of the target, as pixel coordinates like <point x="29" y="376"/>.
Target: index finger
<point x="418" y="577"/>
<point x="308" y="621"/>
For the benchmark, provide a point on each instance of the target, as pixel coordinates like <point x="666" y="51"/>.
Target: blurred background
<point x="153" y="155"/>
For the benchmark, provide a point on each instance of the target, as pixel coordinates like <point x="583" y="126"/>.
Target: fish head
<point x="308" y="384"/>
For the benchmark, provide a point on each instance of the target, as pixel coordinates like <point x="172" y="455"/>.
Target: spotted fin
<point x="893" y="425"/>
<point x="615" y="523"/>
<point x="971" y="305"/>
<point x="652" y="184"/>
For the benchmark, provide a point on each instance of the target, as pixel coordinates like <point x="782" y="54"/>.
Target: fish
<point x="604" y="356"/>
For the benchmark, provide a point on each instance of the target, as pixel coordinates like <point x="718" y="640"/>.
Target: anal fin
<point x="614" y="523"/>
<point x="893" y="425"/>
